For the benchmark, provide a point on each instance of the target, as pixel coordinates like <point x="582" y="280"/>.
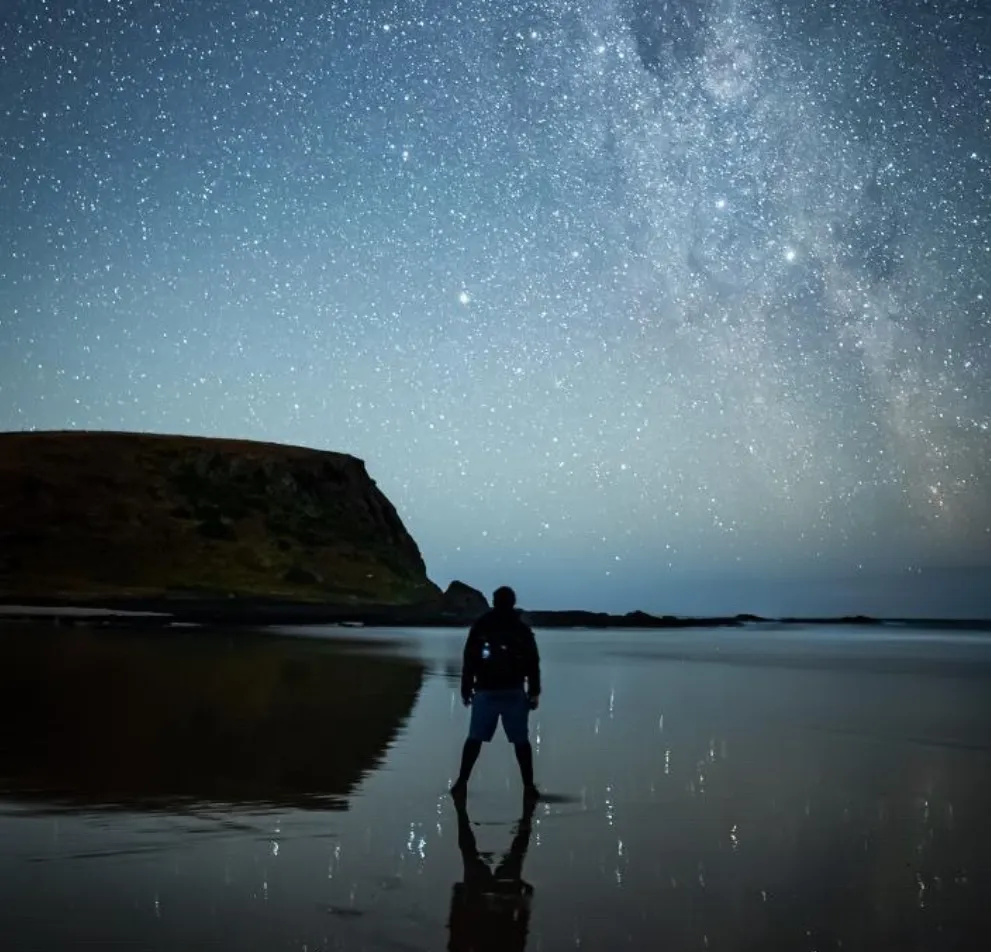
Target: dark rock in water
<point x="634" y="619"/>
<point x="464" y="601"/>
<point x="105" y="517"/>
<point x="640" y="618"/>
<point x="830" y="620"/>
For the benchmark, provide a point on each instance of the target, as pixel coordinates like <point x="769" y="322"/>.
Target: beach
<point x="762" y="787"/>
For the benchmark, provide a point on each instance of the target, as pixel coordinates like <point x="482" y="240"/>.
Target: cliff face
<point x="140" y="515"/>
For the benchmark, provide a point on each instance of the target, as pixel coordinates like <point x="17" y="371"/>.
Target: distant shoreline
<point x="262" y="613"/>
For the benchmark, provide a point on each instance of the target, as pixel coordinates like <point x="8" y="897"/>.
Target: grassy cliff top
<point x="90" y="515"/>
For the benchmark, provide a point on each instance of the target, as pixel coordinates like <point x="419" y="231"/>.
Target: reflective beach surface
<point x="738" y="789"/>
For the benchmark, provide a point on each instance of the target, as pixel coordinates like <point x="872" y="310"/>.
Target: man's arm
<point x="533" y="664"/>
<point x="468" y="662"/>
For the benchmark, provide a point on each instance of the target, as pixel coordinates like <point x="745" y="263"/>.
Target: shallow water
<point x="710" y="789"/>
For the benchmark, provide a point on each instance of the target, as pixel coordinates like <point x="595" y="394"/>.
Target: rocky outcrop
<point x="635" y="619"/>
<point x="95" y="515"/>
<point x="463" y="601"/>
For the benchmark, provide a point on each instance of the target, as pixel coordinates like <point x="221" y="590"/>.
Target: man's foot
<point x="530" y="792"/>
<point x="459" y="789"/>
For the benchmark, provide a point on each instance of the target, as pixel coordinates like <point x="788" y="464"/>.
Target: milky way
<point x="615" y="298"/>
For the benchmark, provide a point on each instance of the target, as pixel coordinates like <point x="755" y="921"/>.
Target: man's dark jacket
<point x="485" y="669"/>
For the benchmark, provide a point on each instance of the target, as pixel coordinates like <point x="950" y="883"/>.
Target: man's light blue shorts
<point x="488" y="706"/>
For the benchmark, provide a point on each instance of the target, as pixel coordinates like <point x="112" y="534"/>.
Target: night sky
<point x="682" y="306"/>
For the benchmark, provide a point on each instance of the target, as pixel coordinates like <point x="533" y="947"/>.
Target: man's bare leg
<point x="524" y="757"/>
<point x="469" y="754"/>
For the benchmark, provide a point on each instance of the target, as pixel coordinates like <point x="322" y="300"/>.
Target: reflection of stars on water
<point x="790" y="255"/>
<point x="464" y="297"/>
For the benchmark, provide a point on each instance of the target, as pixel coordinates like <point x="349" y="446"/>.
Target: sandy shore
<point x="818" y="788"/>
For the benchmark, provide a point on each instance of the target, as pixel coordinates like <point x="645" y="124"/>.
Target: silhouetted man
<point x="490" y="909"/>
<point x="500" y="679"/>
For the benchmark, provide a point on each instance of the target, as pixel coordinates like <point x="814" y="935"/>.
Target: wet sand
<point x="723" y="789"/>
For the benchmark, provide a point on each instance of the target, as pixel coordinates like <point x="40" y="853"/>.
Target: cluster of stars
<point x="639" y="288"/>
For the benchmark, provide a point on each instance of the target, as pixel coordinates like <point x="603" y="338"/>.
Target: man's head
<point x="504" y="597"/>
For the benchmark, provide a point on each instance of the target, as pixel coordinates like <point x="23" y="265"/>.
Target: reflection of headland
<point x="490" y="907"/>
<point x="132" y="720"/>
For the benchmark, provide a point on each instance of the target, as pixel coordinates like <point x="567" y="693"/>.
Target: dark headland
<point x="106" y="528"/>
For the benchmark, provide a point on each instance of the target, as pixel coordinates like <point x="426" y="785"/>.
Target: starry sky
<point x="681" y="305"/>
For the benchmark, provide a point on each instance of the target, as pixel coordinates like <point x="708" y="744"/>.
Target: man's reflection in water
<point x="490" y="909"/>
